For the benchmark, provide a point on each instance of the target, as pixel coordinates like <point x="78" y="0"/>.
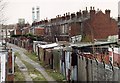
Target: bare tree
<point x="3" y="19"/>
<point x="3" y="5"/>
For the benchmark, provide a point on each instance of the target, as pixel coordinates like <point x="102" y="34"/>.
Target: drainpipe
<point x="112" y="55"/>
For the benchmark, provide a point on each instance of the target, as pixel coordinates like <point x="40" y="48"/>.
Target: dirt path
<point x="24" y="70"/>
<point x="33" y="63"/>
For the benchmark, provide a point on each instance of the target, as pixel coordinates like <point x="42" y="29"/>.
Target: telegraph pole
<point x="2" y="33"/>
<point x="5" y="37"/>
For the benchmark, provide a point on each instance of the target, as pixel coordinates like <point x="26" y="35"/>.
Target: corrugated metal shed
<point x="48" y="45"/>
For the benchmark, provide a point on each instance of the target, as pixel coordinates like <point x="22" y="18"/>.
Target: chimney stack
<point x="85" y="12"/>
<point x="67" y="16"/>
<point x="92" y="12"/>
<point x="63" y="17"/>
<point x="78" y="14"/>
<point x="107" y="12"/>
<point x="72" y="15"/>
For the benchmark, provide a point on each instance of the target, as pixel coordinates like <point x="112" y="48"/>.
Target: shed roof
<point x="48" y="45"/>
<point x="91" y="44"/>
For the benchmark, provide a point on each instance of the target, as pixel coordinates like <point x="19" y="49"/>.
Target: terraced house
<point x="93" y="24"/>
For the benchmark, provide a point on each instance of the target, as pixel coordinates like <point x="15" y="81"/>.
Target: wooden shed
<point x="45" y="53"/>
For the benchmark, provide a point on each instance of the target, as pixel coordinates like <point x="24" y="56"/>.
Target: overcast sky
<point x="16" y="9"/>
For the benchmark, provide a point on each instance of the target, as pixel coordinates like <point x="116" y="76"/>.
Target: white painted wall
<point x="3" y="67"/>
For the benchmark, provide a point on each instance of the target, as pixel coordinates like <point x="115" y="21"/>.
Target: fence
<point x="92" y="70"/>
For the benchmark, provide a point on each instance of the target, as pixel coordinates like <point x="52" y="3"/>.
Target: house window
<point x="49" y="31"/>
<point x="64" y="29"/>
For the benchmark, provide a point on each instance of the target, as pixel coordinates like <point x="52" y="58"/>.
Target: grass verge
<point x="35" y="74"/>
<point x="32" y="56"/>
<point x="56" y="75"/>
<point x="18" y="76"/>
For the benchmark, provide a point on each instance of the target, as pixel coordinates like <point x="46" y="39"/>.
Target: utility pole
<point x="2" y="33"/>
<point x="5" y="37"/>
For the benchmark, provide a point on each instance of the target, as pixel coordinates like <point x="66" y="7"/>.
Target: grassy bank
<point x="18" y="76"/>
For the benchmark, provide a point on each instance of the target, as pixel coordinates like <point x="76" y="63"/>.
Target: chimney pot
<point x="97" y="9"/>
<point x="84" y="13"/>
<point x="78" y="14"/>
<point x="91" y="8"/>
<point x="67" y="17"/>
<point x="72" y="15"/>
<point x="66" y="14"/>
<point x="80" y="11"/>
<point x="118" y="18"/>
<point x="92" y="12"/>
<point x="86" y="8"/>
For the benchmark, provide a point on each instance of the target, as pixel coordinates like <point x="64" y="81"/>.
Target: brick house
<point x="119" y="25"/>
<point x="21" y="29"/>
<point x="90" y="24"/>
<point x="37" y="28"/>
<point x="62" y="28"/>
<point x="17" y="30"/>
<point x="25" y="29"/>
<point x="100" y="25"/>
<point x="39" y="31"/>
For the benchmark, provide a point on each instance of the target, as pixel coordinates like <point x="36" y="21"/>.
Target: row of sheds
<point x="63" y="56"/>
<point x="56" y="55"/>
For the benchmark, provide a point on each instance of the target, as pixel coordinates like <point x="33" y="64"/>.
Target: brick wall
<point x="25" y="30"/>
<point x="75" y="29"/>
<point x="18" y="32"/>
<point x="10" y="75"/>
<point x="100" y="26"/>
<point x="39" y="31"/>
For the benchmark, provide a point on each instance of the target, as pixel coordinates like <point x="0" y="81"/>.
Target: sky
<point x="16" y="9"/>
